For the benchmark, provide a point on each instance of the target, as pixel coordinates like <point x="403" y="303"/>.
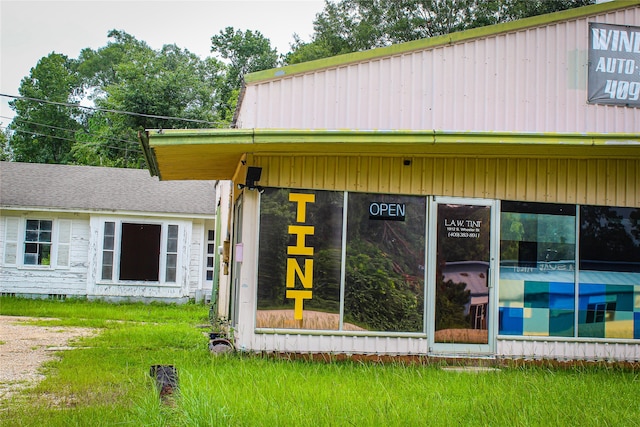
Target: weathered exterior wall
<point x="522" y="81"/>
<point x="198" y="287"/>
<point x="613" y="182"/>
<point x="57" y="280"/>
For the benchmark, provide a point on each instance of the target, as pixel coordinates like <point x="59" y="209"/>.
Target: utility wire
<point x="130" y="113"/>
<point x="68" y="130"/>
<point x="72" y="140"/>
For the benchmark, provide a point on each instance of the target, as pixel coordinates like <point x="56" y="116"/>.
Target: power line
<point x="106" y="110"/>
<point x="67" y="130"/>
<point x="73" y="140"/>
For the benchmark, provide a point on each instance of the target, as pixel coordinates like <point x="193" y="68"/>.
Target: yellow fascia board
<point x="432" y="42"/>
<point x="253" y="137"/>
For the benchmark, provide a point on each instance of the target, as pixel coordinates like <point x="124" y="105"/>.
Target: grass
<point x="106" y="382"/>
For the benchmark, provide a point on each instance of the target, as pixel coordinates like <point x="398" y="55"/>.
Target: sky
<point x="30" y="30"/>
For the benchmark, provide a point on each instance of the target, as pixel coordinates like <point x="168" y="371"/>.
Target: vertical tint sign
<point x="614" y="64"/>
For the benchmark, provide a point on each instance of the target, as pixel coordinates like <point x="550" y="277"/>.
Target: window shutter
<point x="11" y="240"/>
<point x="64" y="243"/>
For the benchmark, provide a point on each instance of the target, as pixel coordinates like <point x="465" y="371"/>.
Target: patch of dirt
<point x="24" y="348"/>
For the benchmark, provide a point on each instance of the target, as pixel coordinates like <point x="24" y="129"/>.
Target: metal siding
<point x="568" y="350"/>
<point x="613" y="182"/>
<point x="530" y="80"/>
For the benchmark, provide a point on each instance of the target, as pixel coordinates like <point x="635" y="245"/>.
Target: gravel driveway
<point x="24" y="348"/>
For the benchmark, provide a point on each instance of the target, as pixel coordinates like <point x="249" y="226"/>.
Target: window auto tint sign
<point x="387" y="211"/>
<point x="614" y="64"/>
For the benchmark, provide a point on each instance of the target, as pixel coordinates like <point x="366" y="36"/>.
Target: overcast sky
<point x="30" y="30"/>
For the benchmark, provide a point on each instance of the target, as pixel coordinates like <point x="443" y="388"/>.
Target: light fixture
<point x="253" y="175"/>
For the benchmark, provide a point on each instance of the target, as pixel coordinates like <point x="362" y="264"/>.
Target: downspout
<point x="149" y="155"/>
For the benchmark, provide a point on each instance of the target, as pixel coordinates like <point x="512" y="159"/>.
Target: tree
<point x="5" y="152"/>
<point x="44" y="132"/>
<point x="354" y="25"/>
<point x="169" y="88"/>
<point x="132" y="88"/>
<point x="246" y="52"/>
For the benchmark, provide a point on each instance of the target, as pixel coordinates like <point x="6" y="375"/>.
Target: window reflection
<point x="537" y="269"/>
<point x="299" y="259"/>
<point x="384" y="284"/>
<point x="609" y="272"/>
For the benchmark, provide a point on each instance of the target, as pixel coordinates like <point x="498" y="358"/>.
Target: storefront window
<point x="384" y="283"/>
<point x="609" y="292"/>
<point x="537" y="269"/>
<point x="299" y="259"/>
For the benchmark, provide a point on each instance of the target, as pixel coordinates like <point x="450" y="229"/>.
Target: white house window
<point x="211" y="253"/>
<point x="172" y="253"/>
<point x="108" y="247"/>
<point x="139" y="252"/>
<point x="37" y="242"/>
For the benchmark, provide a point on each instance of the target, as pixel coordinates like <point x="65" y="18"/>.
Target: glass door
<point x="462" y="312"/>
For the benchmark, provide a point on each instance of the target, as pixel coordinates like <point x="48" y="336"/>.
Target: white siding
<point x="54" y="280"/>
<point x="197" y="258"/>
<point x="557" y="349"/>
<point x="530" y="80"/>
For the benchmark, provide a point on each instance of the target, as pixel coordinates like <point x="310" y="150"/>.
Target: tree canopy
<point x="347" y="26"/>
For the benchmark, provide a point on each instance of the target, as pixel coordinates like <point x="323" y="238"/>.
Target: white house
<point x="96" y="232"/>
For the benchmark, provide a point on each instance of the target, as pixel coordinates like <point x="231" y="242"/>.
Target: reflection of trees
<point x="533" y="237"/>
<point x="276" y="214"/>
<point x="384" y="287"/>
<point x="610" y="234"/>
<point x="377" y="297"/>
<point x="451" y="299"/>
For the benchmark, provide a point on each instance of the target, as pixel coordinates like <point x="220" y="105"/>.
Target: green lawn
<point x="106" y="382"/>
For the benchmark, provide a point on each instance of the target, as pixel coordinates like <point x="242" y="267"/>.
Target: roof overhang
<point x="210" y="154"/>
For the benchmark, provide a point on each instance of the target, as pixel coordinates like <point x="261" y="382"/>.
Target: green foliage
<point x="376" y="297"/>
<point x="5" y="150"/>
<point x="346" y="26"/>
<point x="246" y="52"/>
<point x="158" y="89"/>
<point x="44" y="133"/>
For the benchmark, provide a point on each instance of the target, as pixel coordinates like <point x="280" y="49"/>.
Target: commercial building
<point x="473" y="194"/>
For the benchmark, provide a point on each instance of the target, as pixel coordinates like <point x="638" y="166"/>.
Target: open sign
<point x="387" y="211"/>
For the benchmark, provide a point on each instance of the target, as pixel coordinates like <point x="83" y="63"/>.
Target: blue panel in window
<point x="510" y="320"/>
<point x="636" y="325"/>
<point x="561" y="296"/>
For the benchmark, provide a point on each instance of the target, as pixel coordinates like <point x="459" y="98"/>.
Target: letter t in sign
<point x="302" y="199"/>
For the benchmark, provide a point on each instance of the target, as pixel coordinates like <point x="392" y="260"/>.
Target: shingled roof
<point x="88" y="188"/>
